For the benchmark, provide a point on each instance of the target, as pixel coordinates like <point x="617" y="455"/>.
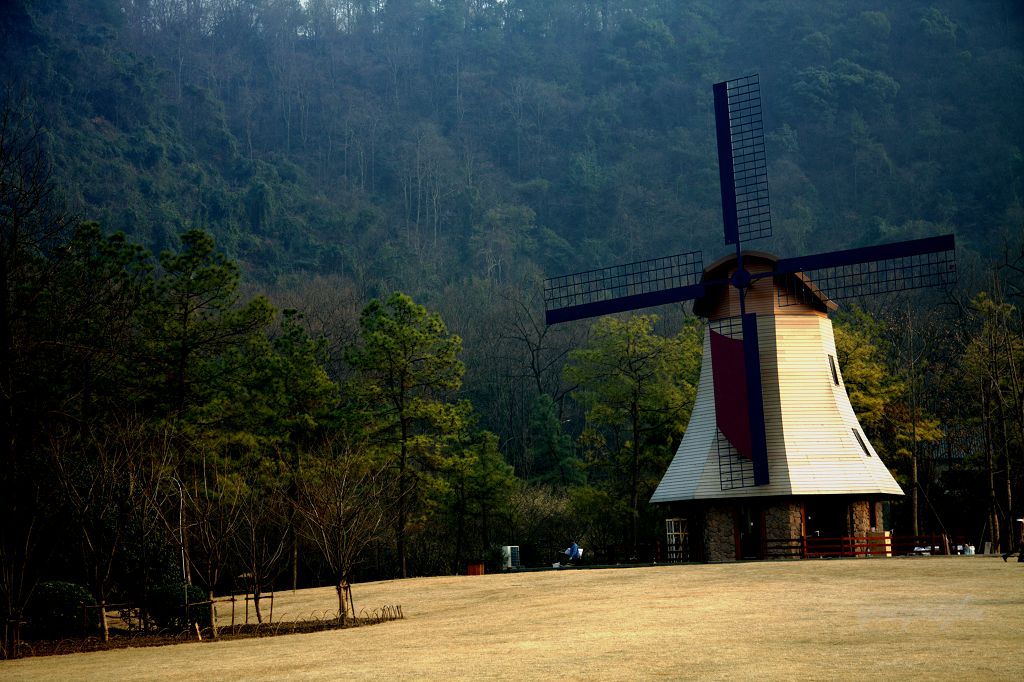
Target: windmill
<point x="732" y="293"/>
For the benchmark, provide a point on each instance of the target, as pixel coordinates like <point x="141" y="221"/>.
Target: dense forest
<point x="272" y="272"/>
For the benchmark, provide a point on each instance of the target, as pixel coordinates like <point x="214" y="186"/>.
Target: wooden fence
<point x="809" y="547"/>
<point x="873" y="545"/>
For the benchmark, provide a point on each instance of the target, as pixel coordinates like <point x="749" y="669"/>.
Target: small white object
<point x="510" y="556"/>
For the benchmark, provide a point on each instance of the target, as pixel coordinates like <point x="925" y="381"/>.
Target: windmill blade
<point x="624" y="287"/>
<point x="873" y="269"/>
<point x="755" y="399"/>
<point x="742" y="163"/>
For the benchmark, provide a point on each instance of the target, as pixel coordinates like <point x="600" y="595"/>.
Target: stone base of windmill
<point x="781" y="529"/>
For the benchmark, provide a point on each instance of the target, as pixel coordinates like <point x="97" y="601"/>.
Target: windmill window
<point x="860" y="441"/>
<point x="835" y="372"/>
<point x="676" y="540"/>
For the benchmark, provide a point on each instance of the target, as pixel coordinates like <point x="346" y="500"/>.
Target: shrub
<point x="56" y="611"/>
<point x="166" y="605"/>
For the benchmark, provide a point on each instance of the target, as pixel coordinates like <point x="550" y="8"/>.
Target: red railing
<point x="859" y="545"/>
<point x="848" y="546"/>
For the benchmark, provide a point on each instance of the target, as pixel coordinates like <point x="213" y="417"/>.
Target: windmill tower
<point x="773" y="451"/>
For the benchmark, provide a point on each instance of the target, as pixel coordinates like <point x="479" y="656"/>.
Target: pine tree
<point x="407" y="364"/>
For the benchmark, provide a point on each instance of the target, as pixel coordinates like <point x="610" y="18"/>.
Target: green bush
<point x="166" y="605"/>
<point x="56" y="611"/>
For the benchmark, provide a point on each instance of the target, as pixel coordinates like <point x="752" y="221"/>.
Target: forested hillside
<point x="316" y="157"/>
<point x="413" y="144"/>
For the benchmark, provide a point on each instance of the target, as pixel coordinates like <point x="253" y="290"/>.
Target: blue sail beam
<point x="872" y="270"/>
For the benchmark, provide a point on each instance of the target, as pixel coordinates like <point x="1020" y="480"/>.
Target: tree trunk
<point x="914" y="484"/>
<point x="256" y="592"/>
<point x="103" y="621"/>
<point x="914" y="524"/>
<point x="485" y="528"/>
<point x="344" y="600"/>
<point x="213" y="615"/>
<point x="993" y="515"/>
<point x="186" y="564"/>
<point x="144" y="611"/>
<point x="402" y="502"/>
<point x="1008" y="539"/>
<point x="12" y="635"/>
<point x="460" y="529"/>
<point x="341" y="603"/>
<point x="293" y="531"/>
<point x="634" y="477"/>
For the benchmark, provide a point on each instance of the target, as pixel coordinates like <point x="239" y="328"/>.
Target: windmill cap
<point x="755" y="262"/>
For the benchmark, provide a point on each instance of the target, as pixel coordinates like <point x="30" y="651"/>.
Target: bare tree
<point x="199" y="515"/>
<point x="344" y="502"/>
<point x="330" y="307"/>
<point x="102" y="477"/>
<point x="261" y="537"/>
<point x="214" y="509"/>
<point x="992" y="358"/>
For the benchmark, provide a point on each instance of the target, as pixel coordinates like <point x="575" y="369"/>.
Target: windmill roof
<point x="723" y="267"/>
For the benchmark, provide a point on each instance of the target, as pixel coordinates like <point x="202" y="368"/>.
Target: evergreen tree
<point x="550" y="450"/>
<point x="193" y="319"/>
<point x="193" y="361"/>
<point x="407" y="365"/>
<point x="638" y="389"/>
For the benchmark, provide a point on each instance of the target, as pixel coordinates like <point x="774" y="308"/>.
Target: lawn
<point x="929" y="617"/>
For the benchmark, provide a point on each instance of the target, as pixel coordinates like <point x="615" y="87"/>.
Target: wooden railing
<point x="875" y="544"/>
<point x="848" y="546"/>
<point x="809" y="547"/>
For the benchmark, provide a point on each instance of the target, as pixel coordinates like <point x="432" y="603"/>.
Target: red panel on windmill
<point x="731" y="405"/>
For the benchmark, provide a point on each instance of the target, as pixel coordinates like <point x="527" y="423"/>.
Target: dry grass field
<point x="937" y="617"/>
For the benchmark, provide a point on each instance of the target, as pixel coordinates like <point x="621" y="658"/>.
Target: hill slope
<point x="416" y="144"/>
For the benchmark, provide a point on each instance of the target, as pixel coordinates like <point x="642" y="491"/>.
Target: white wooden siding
<point x="697" y="451"/>
<point x="808" y="423"/>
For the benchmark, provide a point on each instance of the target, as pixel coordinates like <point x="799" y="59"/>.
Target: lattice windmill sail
<point x="742" y="162"/>
<point x="742" y="356"/>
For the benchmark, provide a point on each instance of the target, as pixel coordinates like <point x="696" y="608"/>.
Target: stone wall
<point x="860" y="515"/>
<point x="783" y="519"/>
<point x="720" y="533"/>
